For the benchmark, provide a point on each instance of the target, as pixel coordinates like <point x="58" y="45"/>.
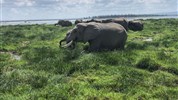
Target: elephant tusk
<point x="68" y="44"/>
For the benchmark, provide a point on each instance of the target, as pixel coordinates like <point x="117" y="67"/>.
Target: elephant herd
<point x="109" y="34"/>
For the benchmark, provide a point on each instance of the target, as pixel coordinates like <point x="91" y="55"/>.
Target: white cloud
<point x="177" y="7"/>
<point x="74" y="6"/>
<point x="85" y="1"/>
<point x="149" y="1"/>
<point x="102" y="7"/>
<point x="77" y="1"/>
<point x="24" y="2"/>
<point x="1" y="1"/>
<point x="36" y="9"/>
<point x="15" y="11"/>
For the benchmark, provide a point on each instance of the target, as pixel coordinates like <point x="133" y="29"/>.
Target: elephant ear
<point x="90" y="33"/>
<point x="81" y="27"/>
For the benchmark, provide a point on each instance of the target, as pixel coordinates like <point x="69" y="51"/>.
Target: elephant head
<point x="135" y="25"/>
<point x="80" y="33"/>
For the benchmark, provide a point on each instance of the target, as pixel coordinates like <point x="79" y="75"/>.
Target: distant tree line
<point x="125" y="15"/>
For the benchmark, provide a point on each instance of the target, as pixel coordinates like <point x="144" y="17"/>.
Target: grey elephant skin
<point x="78" y="21"/>
<point x="100" y="36"/>
<point x="121" y="21"/>
<point x="64" y="23"/>
<point x="135" y="25"/>
<point x="128" y="25"/>
<point x="87" y="21"/>
<point x="93" y="20"/>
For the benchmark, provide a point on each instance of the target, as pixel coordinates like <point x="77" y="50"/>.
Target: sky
<point x="63" y="9"/>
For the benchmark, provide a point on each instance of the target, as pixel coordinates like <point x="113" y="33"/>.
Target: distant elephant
<point x="78" y="21"/>
<point x="132" y="25"/>
<point x="135" y="25"/>
<point x="100" y="36"/>
<point x="106" y="21"/>
<point x="64" y="23"/>
<point x="121" y="21"/>
<point x="93" y="20"/>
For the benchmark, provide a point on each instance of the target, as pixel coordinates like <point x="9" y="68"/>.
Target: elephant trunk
<point x="70" y="44"/>
<point x="60" y="43"/>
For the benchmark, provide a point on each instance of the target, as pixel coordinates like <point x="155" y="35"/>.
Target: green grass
<point x="144" y="70"/>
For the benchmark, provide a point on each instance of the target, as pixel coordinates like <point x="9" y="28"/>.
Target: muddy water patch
<point x="146" y="39"/>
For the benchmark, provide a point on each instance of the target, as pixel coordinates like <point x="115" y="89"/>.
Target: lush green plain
<point x="146" y="69"/>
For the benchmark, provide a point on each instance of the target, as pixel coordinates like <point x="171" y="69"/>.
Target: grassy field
<point x="32" y="66"/>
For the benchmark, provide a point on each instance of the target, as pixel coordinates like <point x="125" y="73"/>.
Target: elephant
<point x="100" y="36"/>
<point x="128" y="25"/>
<point x="78" y="21"/>
<point x="107" y="21"/>
<point x="64" y="23"/>
<point x="88" y="21"/>
<point x="135" y="25"/>
<point x="94" y="20"/>
<point x="121" y="21"/>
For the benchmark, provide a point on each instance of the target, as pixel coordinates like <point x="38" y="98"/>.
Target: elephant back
<point x="78" y="21"/>
<point x="64" y="23"/>
<point x="121" y="21"/>
<point x="135" y="25"/>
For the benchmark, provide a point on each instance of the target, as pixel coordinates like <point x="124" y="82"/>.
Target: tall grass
<point x="144" y="70"/>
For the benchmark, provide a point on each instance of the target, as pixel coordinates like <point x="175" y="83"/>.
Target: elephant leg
<point x="94" y="46"/>
<point x="121" y="46"/>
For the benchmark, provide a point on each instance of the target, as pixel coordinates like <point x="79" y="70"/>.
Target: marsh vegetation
<point x="146" y="69"/>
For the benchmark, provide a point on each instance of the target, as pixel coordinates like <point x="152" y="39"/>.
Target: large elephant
<point x="132" y="25"/>
<point x="64" y="23"/>
<point x="135" y="25"/>
<point x="100" y="36"/>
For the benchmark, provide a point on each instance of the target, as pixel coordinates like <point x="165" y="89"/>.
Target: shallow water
<point x="149" y="39"/>
<point x="16" y="57"/>
<point x="13" y="55"/>
<point x="73" y="20"/>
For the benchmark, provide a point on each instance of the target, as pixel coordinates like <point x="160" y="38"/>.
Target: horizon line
<point x="90" y="17"/>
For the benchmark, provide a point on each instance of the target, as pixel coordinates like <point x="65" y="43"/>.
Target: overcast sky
<point x="50" y="9"/>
